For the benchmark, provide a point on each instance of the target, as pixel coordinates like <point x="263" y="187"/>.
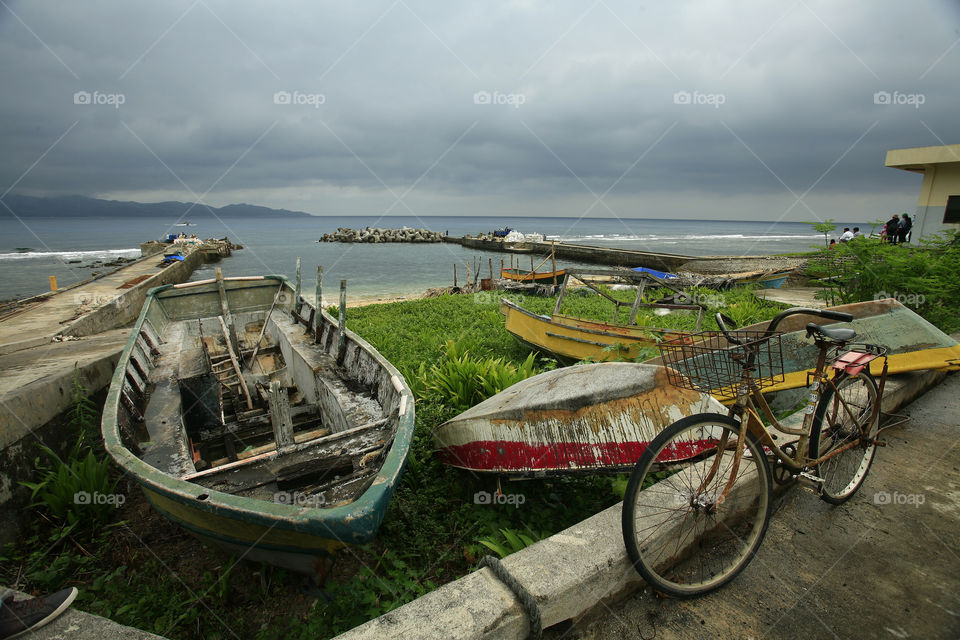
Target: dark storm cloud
<point x="527" y="107"/>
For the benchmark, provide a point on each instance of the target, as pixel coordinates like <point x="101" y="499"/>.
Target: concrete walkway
<point x="39" y="322"/>
<point x="884" y="565"/>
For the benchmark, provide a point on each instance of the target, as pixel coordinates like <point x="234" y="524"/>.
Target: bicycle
<point x="699" y="499"/>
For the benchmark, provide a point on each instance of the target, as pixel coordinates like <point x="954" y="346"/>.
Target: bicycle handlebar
<point x="840" y="316"/>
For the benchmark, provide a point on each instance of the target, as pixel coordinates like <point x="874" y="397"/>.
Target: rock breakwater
<point x="404" y="234"/>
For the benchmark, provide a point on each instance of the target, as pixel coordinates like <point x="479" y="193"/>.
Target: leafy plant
<point x="76" y="491"/>
<point x="462" y="380"/>
<point x="509" y="541"/>
<point x="824" y="227"/>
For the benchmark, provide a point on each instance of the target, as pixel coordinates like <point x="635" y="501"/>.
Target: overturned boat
<point x="583" y="419"/>
<point x="257" y="421"/>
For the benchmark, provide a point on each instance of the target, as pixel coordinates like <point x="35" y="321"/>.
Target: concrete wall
<point x="125" y="308"/>
<point x="939" y="182"/>
<point x="584" y="253"/>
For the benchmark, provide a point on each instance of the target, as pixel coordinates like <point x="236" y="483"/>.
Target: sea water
<point x="34" y="248"/>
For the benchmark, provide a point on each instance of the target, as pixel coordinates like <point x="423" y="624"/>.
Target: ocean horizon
<point x="38" y="247"/>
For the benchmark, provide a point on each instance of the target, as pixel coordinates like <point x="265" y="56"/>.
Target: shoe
<point x="17" y="618"/>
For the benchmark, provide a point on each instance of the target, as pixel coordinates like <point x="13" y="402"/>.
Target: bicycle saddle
<point x="839" y="334"/>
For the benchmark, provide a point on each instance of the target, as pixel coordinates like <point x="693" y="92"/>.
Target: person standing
<point x="906" y="224"/>
<point x="891" y="229"/>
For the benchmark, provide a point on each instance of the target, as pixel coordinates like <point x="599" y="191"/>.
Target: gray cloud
<point x="583" y="98"/>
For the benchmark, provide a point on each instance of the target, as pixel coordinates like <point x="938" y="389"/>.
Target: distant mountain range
<point x="83" y="207"/>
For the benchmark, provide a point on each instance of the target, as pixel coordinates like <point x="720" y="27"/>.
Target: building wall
<point x="939" y="181"/>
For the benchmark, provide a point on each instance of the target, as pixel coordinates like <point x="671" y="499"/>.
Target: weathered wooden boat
<point x="583" y="419"/>
<point x="570" y="339"/>
<point x="258" y="422"/>
<point x="914" y="344"/>
<point x="537" y="277"/>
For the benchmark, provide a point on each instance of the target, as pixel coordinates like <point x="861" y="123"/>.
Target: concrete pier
<point x="45" y="339"/>
<point x="585" y="253"/>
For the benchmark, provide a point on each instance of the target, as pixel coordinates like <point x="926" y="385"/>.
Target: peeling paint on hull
<point x="587" y="418"/>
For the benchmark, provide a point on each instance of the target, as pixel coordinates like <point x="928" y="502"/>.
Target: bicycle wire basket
<point x="707" y="361"/>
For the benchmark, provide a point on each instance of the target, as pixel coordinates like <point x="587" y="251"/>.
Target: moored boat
<point x="536" y="277"/>
<point x="583" y="419"/>
<point x="258" y="422"/>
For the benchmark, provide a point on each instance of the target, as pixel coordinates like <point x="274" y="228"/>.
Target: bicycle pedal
<point x="806" y="475"/>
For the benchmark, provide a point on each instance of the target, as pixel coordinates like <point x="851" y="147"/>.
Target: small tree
<point x="824" y="227"/>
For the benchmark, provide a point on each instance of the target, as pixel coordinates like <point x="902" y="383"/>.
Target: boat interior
<point x="230" y="389"/>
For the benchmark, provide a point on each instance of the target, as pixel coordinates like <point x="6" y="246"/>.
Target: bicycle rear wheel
<point x="681" y="534"/>
<point x="841" y="418"/>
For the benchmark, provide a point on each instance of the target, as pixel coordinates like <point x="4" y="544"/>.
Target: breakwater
<point x="376" y="235"/>
<point x="582" y="253"/>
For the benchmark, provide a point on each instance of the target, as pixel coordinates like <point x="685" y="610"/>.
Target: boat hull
<point x="585" y="419"/>
<point x="570" y="339"/>
<point x="914" y="344"/>
<point x="288" y="529"/>
<point x="540" y="277"/>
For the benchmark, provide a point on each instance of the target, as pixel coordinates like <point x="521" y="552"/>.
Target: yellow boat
<point x="570" y="339"/>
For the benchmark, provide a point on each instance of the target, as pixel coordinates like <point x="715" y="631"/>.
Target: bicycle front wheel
<point x="844" y="419"/>
<point x="685" y="532"/>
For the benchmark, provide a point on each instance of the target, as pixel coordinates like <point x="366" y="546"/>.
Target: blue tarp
<point x="656" y="274"/>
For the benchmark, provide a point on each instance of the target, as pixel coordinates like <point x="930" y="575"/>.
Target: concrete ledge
<point x="20" y="345"/>
<point x="568" y="574"/>
<point x="74" y="624"/>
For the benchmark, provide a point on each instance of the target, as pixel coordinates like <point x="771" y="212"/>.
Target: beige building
<point x="938" y="208"/>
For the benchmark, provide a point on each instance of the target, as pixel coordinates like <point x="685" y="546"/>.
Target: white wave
<point x="692" y="237"/>
<point x="87" y="256"/>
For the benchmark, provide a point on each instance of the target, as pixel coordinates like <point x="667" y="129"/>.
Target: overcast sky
<point x="749" y="110"/>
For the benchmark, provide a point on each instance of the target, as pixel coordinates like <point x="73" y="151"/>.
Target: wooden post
<point x="531" y="266"/>
<point x="501" y="267"/>
<point x="342" y="323"/>
<point x="225" y="312"/>
<point x="563" y="290"/>
<point x="53" y="283"/>
<point x="280" y="417"/>
<point x="491" y="269"/>
<point x="636" y="302"/>
<point x="454" y="274"/>
<point x="468" y="275"/>
<point x="553" y="262"/>
<point x="296" y="292"/>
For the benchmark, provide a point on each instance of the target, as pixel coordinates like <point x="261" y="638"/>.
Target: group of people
<point x="897" y="229"/>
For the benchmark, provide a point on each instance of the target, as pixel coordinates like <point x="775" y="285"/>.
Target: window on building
<point x="952" y="213"/>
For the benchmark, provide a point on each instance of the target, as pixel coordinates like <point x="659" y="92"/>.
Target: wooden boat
<point x="258" y="422"/>
<point x="584" y="419"/>
<point x="914" y="344"/>
<point x="537" y="277"/>
<point x="570" y="339"/>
